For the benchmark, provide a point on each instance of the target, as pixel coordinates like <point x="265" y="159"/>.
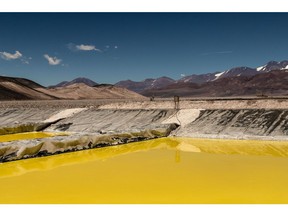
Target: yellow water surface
<point x="28" y="135"/>
<point x="166" y="170"/>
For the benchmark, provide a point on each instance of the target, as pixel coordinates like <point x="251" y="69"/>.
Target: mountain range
<point x="12" y="88"/>
<point x="84" y="80"/>
<point x="211" y="84"/>
<point x="146" y="84"/>
<point x="274" y="83"/>
<point x="270" y="79"/>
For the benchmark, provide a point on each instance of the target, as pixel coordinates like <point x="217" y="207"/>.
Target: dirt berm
<point x="124" y="122"/>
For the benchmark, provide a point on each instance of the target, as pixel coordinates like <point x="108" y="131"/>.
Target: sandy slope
<point x="12" y="88"/>
<point x="82" y="91"/>
<point x="25" y="91"/>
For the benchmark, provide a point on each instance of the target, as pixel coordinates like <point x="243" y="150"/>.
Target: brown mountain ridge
<point x="274" y="83"/>
<point x="12" y="88"/>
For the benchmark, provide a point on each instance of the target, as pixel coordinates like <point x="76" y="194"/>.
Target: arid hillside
<point x="83" y="91"/>
<point x="23" y="89"/>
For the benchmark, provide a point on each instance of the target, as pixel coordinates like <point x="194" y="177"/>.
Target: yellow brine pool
<point x="166" y="170"/>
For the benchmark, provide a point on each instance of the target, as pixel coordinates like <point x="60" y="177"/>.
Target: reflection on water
<point x="166" y="170"/>
<point x="244" y="147"/>
<point x="20" y="167"/>
<point x="28" y="135"/>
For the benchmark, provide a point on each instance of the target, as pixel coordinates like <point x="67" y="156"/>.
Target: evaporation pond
<point x="166" y="170"/>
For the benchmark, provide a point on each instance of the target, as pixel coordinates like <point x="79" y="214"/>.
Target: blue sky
<point x="109" y="47"/>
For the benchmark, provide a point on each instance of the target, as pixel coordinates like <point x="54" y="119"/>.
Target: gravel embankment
<point x="201" y="104"/>
<point x="168" y="103"/>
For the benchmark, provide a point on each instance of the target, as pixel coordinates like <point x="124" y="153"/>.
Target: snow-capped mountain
<point x="163" y="82"/>
<point x="273" y="83"/>
<point x="236" y="72"/>
<point x="199" y="78"/>
<point x="209" y="77"/>
<point x="273" y="65"/>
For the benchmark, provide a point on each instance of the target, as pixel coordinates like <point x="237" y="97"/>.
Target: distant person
<point x="176" y="102"/>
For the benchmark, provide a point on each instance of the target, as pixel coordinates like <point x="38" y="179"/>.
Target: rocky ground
<point x="87" y="127"/>
<point x="98" y="123"/>
<point x="60" y="104"/>
<point x="238" y="124"/>
<point x="204" y="103"/>
<point x="158" y="103"/>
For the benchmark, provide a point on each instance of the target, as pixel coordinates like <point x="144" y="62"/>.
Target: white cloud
<point x="24" y="61"/>
<point x="224" y="52"/>
<point x="52" y="60"/>
<point x="217" y="52"/>
<point x="182" y="75"/>
<point x="10" y="56"/>
<point x="87" y="48"/>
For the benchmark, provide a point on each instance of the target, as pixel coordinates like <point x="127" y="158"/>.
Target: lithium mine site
<point x="202" y="151"/>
